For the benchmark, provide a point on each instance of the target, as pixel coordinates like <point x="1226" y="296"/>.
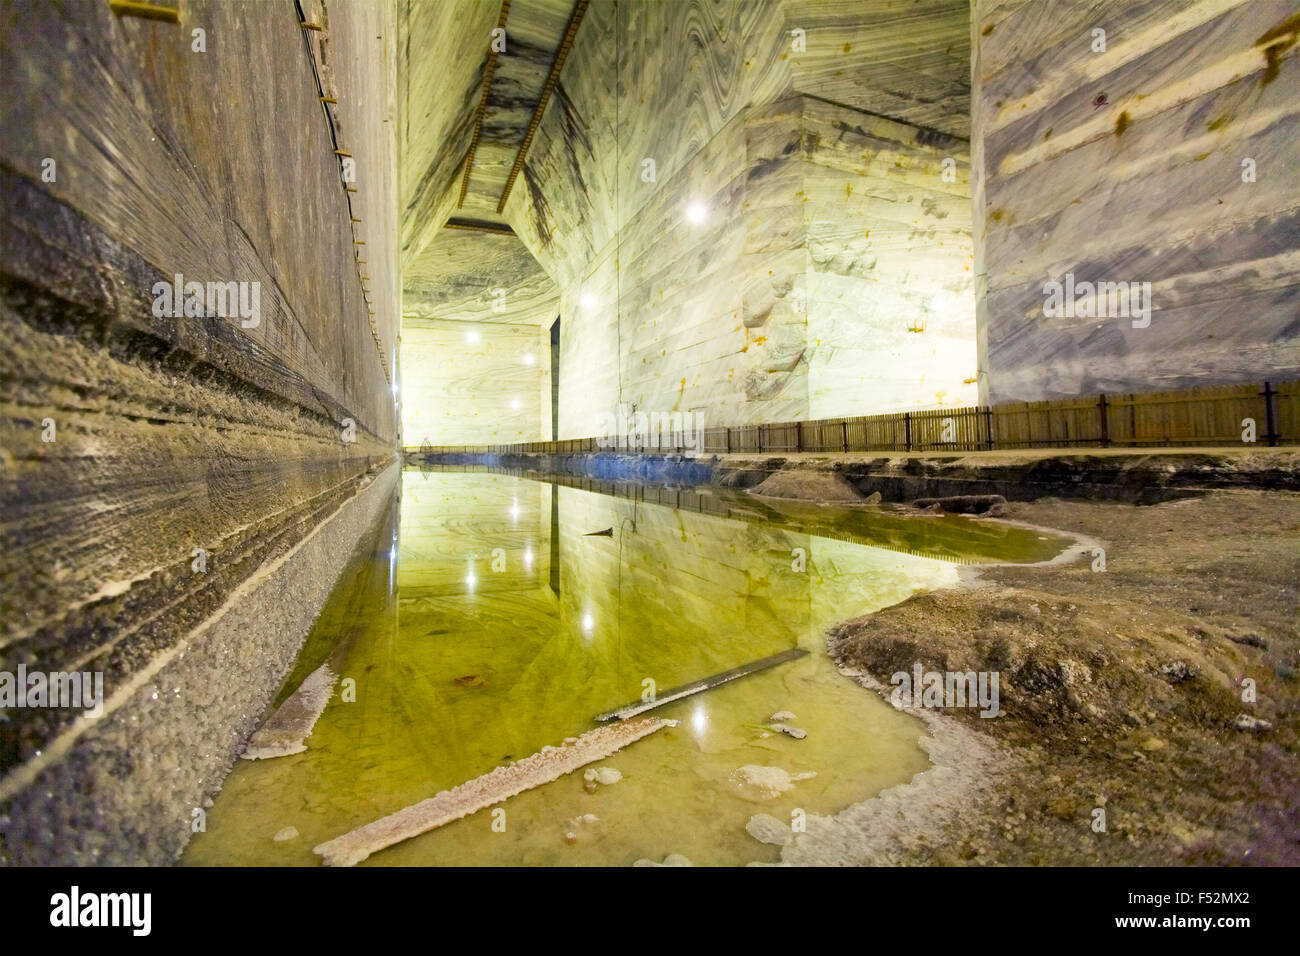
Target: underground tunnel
<point x="633" y="433"/>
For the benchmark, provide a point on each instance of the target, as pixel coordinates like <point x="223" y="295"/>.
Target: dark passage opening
<point x="555" y="380"/>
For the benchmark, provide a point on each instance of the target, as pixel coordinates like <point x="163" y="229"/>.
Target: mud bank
<point x="1121" y="694"/>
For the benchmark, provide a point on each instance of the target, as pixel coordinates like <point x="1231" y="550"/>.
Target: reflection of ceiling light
<point x="588" y="622"/>
<point x="699" y="720"/>
<point x="514" y="403"/>
<point x="514" y="511"/>
<point x="696" y="213"/>
<point x="530" y="359"/>
<point x="528" y="558"/>
<point x="471" y="336"/>
<point x="587" y="300"/>
<point x="470" y="580"/>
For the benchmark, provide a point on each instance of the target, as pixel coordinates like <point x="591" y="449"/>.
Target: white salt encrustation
<point x="550" y="763"/>
<point x="287" y="730"/>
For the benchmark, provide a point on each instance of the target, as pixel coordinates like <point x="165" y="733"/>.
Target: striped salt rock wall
<point x="1127" y="165"/>
<point x="471" y="382"/>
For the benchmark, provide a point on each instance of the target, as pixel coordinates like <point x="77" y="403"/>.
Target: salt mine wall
<point x="890" y="297"/>
<point x="476" y="315"/>
<point x="1141" y="143"/>
<point x="686" y="191"/>
<point x="181" y="487"/>
<point x="471" y="383"/>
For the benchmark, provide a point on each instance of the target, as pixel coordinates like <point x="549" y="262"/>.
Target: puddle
<point x="483" y="621"/>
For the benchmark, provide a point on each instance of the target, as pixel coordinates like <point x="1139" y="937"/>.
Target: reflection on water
<point x="490" y="615"/>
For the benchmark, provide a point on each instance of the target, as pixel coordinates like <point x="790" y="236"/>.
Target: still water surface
<point x="483" y="620"/>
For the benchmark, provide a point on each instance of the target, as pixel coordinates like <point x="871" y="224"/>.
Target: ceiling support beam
<point x="479" y="225"/>
<point x="488" y="71"/>
<point x="570" y="31"/>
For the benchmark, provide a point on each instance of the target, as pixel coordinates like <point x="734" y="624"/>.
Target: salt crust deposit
<point x="807" y="485"/>
<point x="888" y="828"/>
<point x="768" y="829"/>
<point x="672" y="859"/>
<point x="602" y="775"/>
<point x="287" y="730"/>
<point x="550" y="763"/>
<point x="795" y="732"/>
<point x="765" y="783"/>
<point x="227" y="669"/>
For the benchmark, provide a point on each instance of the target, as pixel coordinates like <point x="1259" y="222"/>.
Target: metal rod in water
<point x="708" y="683"/>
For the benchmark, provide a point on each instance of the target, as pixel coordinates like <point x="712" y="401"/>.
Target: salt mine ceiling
<point x="468" y="97"/>
<point x="472" y="274"/>
<point x="468" y="104"/>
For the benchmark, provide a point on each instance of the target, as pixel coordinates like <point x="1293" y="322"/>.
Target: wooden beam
<point x="480" y="225"/>
<point x="148" y="11"/>
<point x="482" y="106"/>
<point x="570" y="31"/>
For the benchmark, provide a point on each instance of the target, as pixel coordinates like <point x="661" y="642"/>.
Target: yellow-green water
<point x="492" y="578"/>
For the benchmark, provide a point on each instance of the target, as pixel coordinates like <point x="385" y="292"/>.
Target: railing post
<point x="1103" y="410"/>
<point x="988" y="424"/>
<point x="845" y="425"/>
<point x="798" y="436"/>
<point x="760" y="439"/>
<point x="907" y="431"/>
<point x="1270" y="418"/>
<point x="726" y="439"/>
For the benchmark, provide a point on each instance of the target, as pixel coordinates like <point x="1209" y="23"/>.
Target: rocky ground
<point x="1121" y="690"/>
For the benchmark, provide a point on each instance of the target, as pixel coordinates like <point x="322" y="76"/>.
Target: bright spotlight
<point x="587" y="300"/>
<point x="696" y="213"/>
<point x="939" y="302"/>
<point x="471" y="336"/>
<point x="530" y="359"/>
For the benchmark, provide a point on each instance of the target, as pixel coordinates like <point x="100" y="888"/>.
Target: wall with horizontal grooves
<point x="171" y="434"/>
<point x="1127" y="165"/>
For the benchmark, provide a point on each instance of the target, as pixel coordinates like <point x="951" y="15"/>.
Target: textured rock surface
<point x="1127" y="165"/>
<point x="1121" y="475"/>
<point x="123" y="789"/>
<point x="1117" y="689"/>
<point x="808" y="485"/>
<point x="757" y="211"/>
<point x="153" y="467"/>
